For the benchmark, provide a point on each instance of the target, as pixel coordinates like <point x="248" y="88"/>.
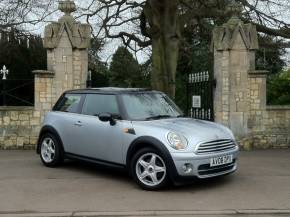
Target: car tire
<point x="149" y="170"/>
<point x="51" y="152"/>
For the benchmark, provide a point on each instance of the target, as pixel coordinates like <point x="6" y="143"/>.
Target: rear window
<point x="68" y="103"/>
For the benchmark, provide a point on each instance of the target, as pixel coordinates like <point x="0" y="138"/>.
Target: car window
<point x="145" y="105"/>
<point x="96" y="104"/>
<point x="69" y="103"/>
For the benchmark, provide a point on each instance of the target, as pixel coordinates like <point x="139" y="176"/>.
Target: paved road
<point x="261" y="185"/>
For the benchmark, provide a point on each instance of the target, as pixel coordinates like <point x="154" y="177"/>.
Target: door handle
<point x="79" y="124"/>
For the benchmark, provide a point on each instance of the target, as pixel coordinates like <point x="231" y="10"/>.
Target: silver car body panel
<point x="87" y="136"/>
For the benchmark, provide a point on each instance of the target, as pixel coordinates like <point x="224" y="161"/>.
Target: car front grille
<point x="206" y="169"/>
<point x="215" y="146"/>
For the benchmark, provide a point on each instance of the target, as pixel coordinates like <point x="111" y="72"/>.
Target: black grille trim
<point x="206" y="169"/>
<point x="215" y="146"/>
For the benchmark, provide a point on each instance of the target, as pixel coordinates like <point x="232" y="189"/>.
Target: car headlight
<point x="176" y="141"/>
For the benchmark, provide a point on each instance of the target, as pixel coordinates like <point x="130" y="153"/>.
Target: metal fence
<point x="200" y="89"/>
<point x="15" y="92"/>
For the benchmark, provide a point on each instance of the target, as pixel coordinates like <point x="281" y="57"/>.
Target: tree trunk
<point x="164" y="31"/>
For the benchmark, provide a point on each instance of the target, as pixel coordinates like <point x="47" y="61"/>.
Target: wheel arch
<point x="48" y="129"/>
<point x="147" y="141"/>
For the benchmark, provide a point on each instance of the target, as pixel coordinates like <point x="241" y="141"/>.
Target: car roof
<point x="111" y="90"/>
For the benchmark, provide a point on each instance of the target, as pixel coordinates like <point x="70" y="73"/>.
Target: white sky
<point x="112" y="45"/>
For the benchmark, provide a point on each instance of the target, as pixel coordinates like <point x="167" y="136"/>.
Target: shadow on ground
<point x="123" y="175"/>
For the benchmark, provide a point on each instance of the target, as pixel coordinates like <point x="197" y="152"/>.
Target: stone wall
<point x="19" y="127"/>
<point x="240" y="94"/>
<point x="272" y="130"/>
<point x="44" y="91"/>
<point x="268" y="126"/>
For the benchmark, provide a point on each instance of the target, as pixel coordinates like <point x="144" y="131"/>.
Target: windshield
<point x="148" y="106"/>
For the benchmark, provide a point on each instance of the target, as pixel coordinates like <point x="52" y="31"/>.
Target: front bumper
<point x="201" y="164"/>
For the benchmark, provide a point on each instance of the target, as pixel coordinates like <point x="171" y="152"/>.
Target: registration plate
<point x="221" y="160"/>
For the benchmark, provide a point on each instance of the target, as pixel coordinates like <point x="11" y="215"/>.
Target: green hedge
<point x="278" y="89"/>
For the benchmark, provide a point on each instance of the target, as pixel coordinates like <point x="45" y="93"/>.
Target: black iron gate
<point x="16" y="92"/>
<point x="200" y="87"/>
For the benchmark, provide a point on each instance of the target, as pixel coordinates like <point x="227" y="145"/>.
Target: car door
<point x="100" y="140"/>
<point x="67" y="110"/>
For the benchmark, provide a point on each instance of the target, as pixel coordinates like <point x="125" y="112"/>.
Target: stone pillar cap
<point x="67" y="7"/>
<point x="79" y="34"/>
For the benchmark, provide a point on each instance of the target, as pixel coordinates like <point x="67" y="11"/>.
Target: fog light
<point x="187" y="168"/>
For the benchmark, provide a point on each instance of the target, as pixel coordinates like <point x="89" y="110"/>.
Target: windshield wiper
<point x="156" y="117"/>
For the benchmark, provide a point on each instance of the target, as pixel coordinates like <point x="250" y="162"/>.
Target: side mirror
<point x="106" y="117"/>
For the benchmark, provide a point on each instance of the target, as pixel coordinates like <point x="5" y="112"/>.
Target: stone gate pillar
<point x="67" y="43"/>
<point x="234" y="45"/>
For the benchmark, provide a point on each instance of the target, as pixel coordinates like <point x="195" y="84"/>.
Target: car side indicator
<point x="129" y="130"/>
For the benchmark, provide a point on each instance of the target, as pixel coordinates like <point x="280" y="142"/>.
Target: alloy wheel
<point x="150" y="169"/>
<point x="48" y="150"/>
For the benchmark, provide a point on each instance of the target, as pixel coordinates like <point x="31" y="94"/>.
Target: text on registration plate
<point x="221" y="160"/>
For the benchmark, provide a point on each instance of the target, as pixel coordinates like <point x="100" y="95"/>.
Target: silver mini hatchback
<point x="137" y="129"/>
